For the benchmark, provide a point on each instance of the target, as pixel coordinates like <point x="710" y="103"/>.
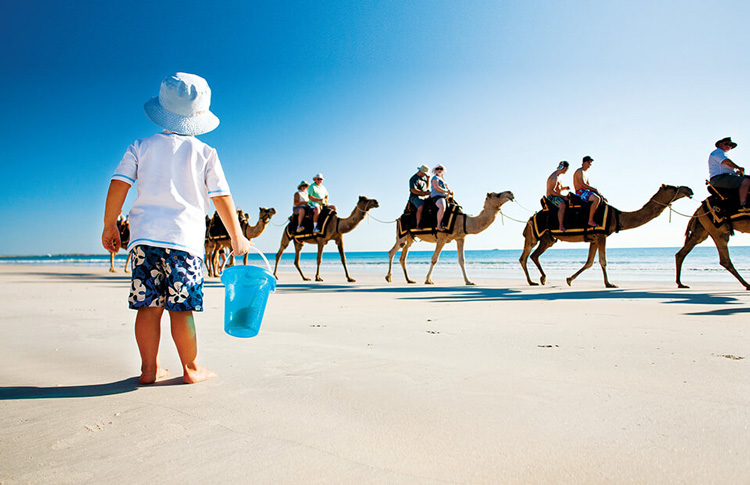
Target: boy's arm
<point x="227" y="211"/>
<point x="118" y="191"/>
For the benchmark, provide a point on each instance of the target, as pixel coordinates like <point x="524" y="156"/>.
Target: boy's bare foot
<point x="592" y="224"/>
<point x="149" y="377"/>
<point x="196" y="373"/>
<point x="562" y="229"/>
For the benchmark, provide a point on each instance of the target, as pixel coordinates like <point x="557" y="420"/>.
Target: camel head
<point x="495" y="200"/>
<point x="365" y="204"/>
<point x="266" y="214"/>
<point x="674" y="193"/>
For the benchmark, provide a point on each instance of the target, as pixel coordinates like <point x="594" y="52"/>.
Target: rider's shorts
<point x="727" y="181"/>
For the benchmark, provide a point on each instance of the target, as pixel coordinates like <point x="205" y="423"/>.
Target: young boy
<point x="176" y="175"/>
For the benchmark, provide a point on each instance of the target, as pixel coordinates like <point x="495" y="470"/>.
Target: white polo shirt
<point x="715" y="167"/>
<point x="176" y="175"/>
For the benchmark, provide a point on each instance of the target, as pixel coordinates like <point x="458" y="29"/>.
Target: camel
<point x="214" y="245"/>
<point x="463" y="226"/>
<point x="597" y="242"/>
<point x="335" y="229"/>
<point x="698" y="230"/>
<point x="124" y="228"/>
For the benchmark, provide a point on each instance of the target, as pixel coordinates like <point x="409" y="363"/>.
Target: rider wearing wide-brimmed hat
<point x="419" y="191"/>
<point x="724" y="173"/>
<point x="318" y="199"/>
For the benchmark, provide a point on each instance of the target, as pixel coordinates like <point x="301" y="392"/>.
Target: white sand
<point x="377" y="383"/>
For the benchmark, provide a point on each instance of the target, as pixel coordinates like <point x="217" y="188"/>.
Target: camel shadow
<point x="723" y="312"/>
<point x="463" y="294"/>
<point x="93" y="390"/>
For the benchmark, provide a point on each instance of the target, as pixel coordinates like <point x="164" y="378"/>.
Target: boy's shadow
<point x="58" y="392"/>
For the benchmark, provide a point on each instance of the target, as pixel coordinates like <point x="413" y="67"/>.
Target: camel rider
<point x="419" y="191"/>
<point x="318" y="198"/>
<point x="585" y="191"/>
<point x="724" y="173"/>
<point x="301" y="200"/>
<point x="439" y="191"/>
<point x="554" y="192"/>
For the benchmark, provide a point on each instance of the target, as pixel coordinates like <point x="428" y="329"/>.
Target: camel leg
<point x="127" y="263"/>
<point x="697" y="236"/>
<point x="603" y="260"/>
<point x="284" y="243"/>
<point x="320" y="260"/>
<point x="207" y="260"/>
<point x="722" y="245"/>
<point x="402" y="259"/>
<point x="460" y="247"/>
<point x="297" y="251"/>
<point x="544" y="244"/>
<point x="399" y="244"/>
<point x="340" y="244"/>
<point x="529" y="243"/>
<point x="435" y="256"/>
<point x="587" y="265"/>
<point x="215" y="260"/>
<point x="112" y="263"/>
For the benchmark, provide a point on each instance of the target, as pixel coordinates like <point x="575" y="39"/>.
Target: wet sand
<point x="381" y="383"/>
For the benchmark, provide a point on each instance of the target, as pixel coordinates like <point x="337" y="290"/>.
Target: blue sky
<point x="498" y="92"/>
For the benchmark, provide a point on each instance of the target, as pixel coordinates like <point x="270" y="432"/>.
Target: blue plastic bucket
<point x="246" y="290"/>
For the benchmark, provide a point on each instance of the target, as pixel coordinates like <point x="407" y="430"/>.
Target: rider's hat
<point x="726" y="140"/>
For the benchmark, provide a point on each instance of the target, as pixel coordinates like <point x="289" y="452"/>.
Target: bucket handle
<point x="256" y="250"/>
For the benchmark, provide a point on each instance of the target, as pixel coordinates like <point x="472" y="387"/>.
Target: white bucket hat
<point x="182" y="105"/>
<point x="318" y="176"/>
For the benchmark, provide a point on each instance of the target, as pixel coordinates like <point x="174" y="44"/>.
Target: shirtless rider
<point x="585" y="191"/>
<point x="554" y="192"/>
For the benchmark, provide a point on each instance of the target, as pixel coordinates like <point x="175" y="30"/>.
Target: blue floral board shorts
<point x="166" y="278"/>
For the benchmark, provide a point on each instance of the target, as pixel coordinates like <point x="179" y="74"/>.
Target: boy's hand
<point x="111" y="239"/>
<point x="241" y="246"/>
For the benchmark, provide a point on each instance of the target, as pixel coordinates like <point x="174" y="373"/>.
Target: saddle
<point x="723" y="205"/>
<point x="326" y="215"/>
<point x="407" y="223"/>
<point x="576" y="218"/>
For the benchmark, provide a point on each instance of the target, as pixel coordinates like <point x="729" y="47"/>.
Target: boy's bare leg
<point x="147" y="334"/>
<point x="183" y="334"/>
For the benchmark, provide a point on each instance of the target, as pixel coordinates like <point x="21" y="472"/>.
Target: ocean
<point x="624" y="264"/>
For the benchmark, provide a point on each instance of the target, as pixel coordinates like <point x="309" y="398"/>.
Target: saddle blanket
<point x="576" y="218"/>
<point x="407" y="223"/>
<point x="721" y="211"/>
<point x="326" y="215"/>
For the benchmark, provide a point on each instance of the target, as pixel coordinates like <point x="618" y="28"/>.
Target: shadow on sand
<point x="456" y="294"/>
<point x="94" y="390"/>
